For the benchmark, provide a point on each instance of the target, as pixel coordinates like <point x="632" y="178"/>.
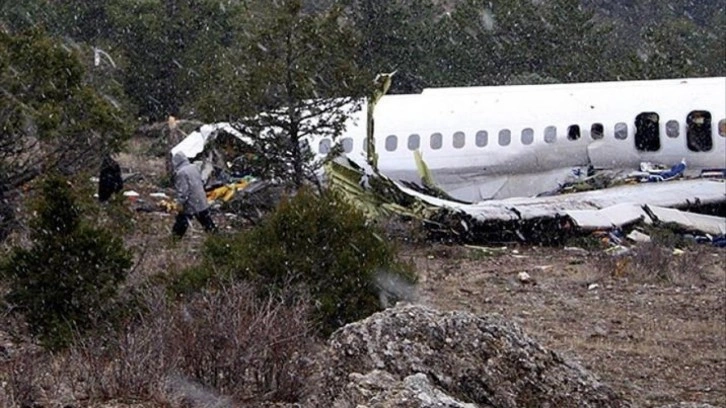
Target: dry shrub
<point x="20" y="380"/>
<point x="206" y="350"/>
<point x="34" y="379"/>
<point x="655" y="263"/>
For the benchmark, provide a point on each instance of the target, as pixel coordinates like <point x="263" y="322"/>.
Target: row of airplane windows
<point x="647" y="135"/>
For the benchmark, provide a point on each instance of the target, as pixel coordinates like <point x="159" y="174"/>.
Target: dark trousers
<point x="182" y="222"/>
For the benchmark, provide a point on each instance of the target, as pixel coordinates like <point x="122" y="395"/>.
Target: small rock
<point x="600" y="332"/>
<point x="524" y="278"/>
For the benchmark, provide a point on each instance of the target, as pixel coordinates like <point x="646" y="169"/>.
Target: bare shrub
<point x="215" y="346"/>
<point x="20" y="381"/>
<point x="34" y="379"/>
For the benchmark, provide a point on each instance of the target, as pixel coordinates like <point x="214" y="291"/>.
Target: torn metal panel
<point x="613" y="216"/>
<point x="195" y="142"/>
<point x="708" y="224"/>
<point x="375" y="196"/>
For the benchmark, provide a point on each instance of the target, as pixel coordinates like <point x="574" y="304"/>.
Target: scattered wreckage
<point x="598" y="201"/>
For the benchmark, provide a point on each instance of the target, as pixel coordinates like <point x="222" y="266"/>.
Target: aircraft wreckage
<point x="527" y="163"/>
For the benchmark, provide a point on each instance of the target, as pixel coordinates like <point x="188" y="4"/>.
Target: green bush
<point x="67" y="280"/>
<point x="321" y="244"/>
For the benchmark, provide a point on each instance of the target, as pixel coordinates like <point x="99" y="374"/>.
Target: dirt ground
<point x="654" y="341"/>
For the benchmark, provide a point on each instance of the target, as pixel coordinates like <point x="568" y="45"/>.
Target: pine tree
<point x="66" y="282"/>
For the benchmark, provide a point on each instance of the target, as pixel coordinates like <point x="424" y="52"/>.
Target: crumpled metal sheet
<point x="589" y="210"/>
<point x="708" y="224"/>
<point x="195" y="141"/>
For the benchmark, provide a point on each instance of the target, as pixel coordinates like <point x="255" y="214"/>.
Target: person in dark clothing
<point x="110" y="180"/>
<point x="191" y="197"/>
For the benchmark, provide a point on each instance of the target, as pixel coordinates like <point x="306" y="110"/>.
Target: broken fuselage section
<point x="504" y="155"/>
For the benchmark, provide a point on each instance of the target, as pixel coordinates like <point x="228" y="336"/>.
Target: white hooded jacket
<point x="189" y="186"/>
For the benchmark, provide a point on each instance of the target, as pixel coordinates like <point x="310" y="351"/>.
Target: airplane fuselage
<point x="503" y="141"/>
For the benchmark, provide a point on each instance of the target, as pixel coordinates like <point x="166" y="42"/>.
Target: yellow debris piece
<point x="227" y="191"/>
<point x="169" y="205"/>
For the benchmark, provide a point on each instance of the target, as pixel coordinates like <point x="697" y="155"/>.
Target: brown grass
<point x="654" y="263"/>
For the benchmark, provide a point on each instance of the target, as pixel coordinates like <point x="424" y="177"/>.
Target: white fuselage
<point x="503" y="141"/>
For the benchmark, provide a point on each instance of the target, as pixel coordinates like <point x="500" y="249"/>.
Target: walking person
<point x="191" y="197"/>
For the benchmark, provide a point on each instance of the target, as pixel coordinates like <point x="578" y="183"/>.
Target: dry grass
<point x="204" y="350"/>
<point x="654" y="263"/>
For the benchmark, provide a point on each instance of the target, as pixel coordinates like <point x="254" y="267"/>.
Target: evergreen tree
<point x="397" y="35"/>
<point x="66" y="282"/>
<point x="299" y="80"/>
<point x="51" y="117"/>
<point x="173" y="49"/>
<point x="679" y="48"/>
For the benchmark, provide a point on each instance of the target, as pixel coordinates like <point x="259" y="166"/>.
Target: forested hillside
<point x="211" y="60"/>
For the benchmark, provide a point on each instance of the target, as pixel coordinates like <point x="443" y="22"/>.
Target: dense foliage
<point x="200" y="57"/>
<point x="317" y="243"/>
<point x="67" y="281"/>
<point x="304" y="79"/>
<point x="51" y="118"/>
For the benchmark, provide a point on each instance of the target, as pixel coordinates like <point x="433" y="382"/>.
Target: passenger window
<point x="647" y="132"/>
<point x="414" y="141"/>
<point x="347" y="143"/>
<point x="459" y="139"/>
<point x="672" y="128"/>
<point x="699" y="131"/>
<point x="550" y="134"/>
<point x="527" y="136"/>
<point x="573" y="132"/>
<point x="621" y="131"/>
<point x="722" y="127"/>
<point x="436" y="141"/>
<point x="482" y="138"/>
<point x="324" y="146"/>
<point x="597" y="131"/>
<point x="365" y="145"/>
<point x="391" y="143"/>
<point x="505" y="137"/>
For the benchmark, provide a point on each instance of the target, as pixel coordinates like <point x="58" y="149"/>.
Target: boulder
<point x="381" y="389"/>
<point x="415" y="356"/>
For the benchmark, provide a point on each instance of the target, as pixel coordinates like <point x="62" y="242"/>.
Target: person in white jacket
<point x="191" y="197"/>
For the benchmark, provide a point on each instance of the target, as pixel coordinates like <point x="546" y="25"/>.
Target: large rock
<point x="413" y="356"/>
